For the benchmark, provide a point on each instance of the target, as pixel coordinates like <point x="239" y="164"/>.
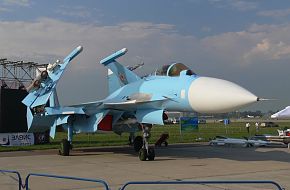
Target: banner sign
<point x="188" y="123"/>
<point x="16" y="139"/>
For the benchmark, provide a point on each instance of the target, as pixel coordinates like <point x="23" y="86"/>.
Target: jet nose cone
<point x="212" y="95"/>
<point x="283" y="114"/>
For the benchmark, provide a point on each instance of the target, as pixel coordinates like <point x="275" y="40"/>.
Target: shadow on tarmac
<point x="199" y="151"/>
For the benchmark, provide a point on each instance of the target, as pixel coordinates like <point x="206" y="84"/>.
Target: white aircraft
<point x="283" y="114"/>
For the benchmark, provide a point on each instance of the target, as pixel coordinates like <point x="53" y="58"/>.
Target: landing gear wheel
<point x="151" y="154"/>
<point x="166" y="143"/>
<point x="143" y="154"/>
<point x="65" y="147"/>
<point x="138" y="143"/>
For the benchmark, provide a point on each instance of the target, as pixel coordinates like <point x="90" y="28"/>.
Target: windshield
<point x="173" y="70"/>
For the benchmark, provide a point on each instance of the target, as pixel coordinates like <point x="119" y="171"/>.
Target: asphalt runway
<point x="117" y="165"/>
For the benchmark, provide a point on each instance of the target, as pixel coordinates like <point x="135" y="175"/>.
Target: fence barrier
<point x="132" y="183"/>
<point x="276" y="185"/>
<point x="20" y="186"/>
<point x="99" y="181"/>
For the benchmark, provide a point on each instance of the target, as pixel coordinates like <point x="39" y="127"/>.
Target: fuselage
<point x="188" y="93"/>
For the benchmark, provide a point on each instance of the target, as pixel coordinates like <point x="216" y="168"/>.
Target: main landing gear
<point x="66" y="144"/>
<point x="141" y="145"/>
<point x="65" y="147"/>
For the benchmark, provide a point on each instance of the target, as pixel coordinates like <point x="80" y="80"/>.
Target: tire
<point x="151" y="154"/>
<point x="142" y="154"/>
<point x="64" y="147"/>
<point x="138" y="143"/>
<point x="166" y="143"/>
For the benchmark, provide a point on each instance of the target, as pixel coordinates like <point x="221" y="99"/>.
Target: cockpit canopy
<point x="173" y="70"/>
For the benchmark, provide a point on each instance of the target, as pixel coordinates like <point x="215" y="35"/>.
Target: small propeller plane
<point x="134" y="103"/>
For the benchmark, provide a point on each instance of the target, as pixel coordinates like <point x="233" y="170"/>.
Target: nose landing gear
<point x="145" y="152"/>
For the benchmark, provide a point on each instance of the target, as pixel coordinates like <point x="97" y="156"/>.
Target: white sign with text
<point x="16" y="139"/>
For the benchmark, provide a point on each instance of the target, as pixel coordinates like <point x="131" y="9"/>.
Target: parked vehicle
<point x="201" y="121"/>
<point x="269" y="124"/>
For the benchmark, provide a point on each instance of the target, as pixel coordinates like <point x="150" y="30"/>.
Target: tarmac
<point x="118" y="165"/>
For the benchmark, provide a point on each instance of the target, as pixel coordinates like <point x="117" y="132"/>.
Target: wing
<point x="146" y="111"/>
<point x="132" y="105"/>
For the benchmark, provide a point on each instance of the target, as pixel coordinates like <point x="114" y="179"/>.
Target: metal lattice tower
<point x="18" y="74"/>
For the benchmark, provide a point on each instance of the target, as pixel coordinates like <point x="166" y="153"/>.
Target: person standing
<point x="248" y="127"/>
<point x="257" y="127"/>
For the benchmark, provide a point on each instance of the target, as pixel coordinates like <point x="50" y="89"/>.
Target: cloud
<point x="77" y="11"/>
<point x="239" y="5"/>
<point x="2" y="9"/>
<point x="224" y="55"/>
<point x="24" y="3"/>
<point x="243" y="5"/>
<point x="46" y="40"/>
<point x="275" y="13"/>
<point x="46" y="37"/>
<point x="266" y="50"/>
<point x="206" y="29"/>
<point x="251" y="46"/>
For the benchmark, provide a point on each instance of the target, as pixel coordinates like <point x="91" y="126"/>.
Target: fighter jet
<point x="133" y="103"/>
<point x="283" y="114"/>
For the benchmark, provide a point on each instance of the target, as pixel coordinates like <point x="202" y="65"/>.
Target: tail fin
<point x="53" y="100"/>
<point x="114" y="82"/>
<point x="118" y="75"/>
<point x="45" y="84"/>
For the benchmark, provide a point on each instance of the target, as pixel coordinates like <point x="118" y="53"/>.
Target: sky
<point x="246" y="42"/>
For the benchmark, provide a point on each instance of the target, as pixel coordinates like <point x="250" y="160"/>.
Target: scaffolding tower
<point x="18" y="74"/>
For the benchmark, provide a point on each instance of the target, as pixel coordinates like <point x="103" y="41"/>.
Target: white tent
<point x="285" y="113"/>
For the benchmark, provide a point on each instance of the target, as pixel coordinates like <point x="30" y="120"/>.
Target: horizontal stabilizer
<point x="64" y="111"/>
<point x="41" y="123"/>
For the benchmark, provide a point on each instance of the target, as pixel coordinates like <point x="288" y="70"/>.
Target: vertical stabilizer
<point x="53" y="99"/>
<point x="114" y="82"/>
<point x="118" y="75"/>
